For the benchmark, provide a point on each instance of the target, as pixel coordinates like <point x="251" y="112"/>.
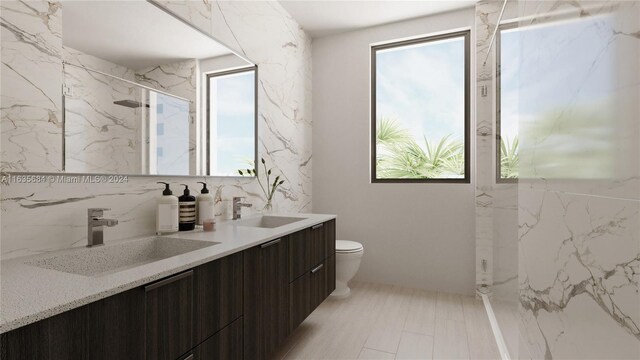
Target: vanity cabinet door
<point x="330" y="284"/>
<point x="169" y="311"/>
<point x="266" y="298"/>
<point x="224" y="345"/>
<point x="318" y="281"/>
<point x="317" y="244"/>
<point x="299" y="300"/>
<point x="27" y="342"/>
<point x="116" y="327"/>
<point x="299" y="253"/>
<point x="218" y="295"/>
<point x="330" y="237"/>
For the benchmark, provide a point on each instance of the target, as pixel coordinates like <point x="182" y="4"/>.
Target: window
<point x="420" y="110"/>
<point x="231" y="108"/>
<point x="507" y="146"/>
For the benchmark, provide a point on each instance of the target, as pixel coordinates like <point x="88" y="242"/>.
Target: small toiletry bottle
<point x="187" y="204"/>
<point x="204" y="204"/>
<point x="167" y="211"/>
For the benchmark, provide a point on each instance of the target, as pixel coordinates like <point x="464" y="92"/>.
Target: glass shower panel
<point x="578" y="192"/>
<point x="168" y="135"/>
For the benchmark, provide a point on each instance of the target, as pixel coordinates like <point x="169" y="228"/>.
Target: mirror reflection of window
<point x="232" y="120"/>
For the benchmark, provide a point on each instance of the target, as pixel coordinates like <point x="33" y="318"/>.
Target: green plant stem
<point x="260" y="183"/>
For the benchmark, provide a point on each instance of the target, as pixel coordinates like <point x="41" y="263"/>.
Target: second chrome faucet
<point x="237" y="207"/>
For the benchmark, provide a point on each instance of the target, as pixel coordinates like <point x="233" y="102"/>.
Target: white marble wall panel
<point x="579" y="272"/>
<point x="100" y="136"/>
<point x="31" y="95"/>
<point x="196" y="12"/>
<point x="579" y="236"/>
<point x="284" y="89"/>
<point x="47" y="217"/>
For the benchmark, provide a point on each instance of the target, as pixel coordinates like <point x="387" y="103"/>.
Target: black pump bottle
<point x="187" y="212"/>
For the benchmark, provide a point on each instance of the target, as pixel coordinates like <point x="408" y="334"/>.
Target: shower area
<point x="115" y="124"/>
<point x="558" y="177"/>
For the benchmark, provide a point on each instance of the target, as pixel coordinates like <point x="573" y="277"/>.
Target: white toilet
<point x="348" y="256"/>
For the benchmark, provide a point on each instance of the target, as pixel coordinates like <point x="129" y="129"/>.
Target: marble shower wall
<point x="579" y="226"/>
<point x="100" y="137"/>
<point x="496" y="203"/>
<point x="51" y="216"/>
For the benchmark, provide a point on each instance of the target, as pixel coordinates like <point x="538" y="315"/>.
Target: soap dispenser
<point x="167" y="211"/>
<point x="187" y="203"/>
<point x="204" y="204"/>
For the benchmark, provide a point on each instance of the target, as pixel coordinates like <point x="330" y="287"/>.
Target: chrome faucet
<point x="237" y="207"/>
<point x="96" y="224"/>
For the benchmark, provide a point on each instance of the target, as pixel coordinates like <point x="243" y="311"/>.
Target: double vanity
<point x="234" y="293"/>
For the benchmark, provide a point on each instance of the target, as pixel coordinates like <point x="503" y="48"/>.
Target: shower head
<point x="130" y="103"/>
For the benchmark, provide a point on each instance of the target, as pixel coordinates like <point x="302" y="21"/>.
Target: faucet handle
<point x="96" y="211"/>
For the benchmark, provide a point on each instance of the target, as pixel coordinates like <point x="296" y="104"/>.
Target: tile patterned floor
<point x="390" y="322"/>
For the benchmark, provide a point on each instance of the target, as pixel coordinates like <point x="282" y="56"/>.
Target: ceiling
<point x="134" y="34"/>
<point x="322" y="18"/>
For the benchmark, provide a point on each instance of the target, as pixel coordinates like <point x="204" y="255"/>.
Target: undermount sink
<point x="112" y="258"/>
<point x="269" y="221"/>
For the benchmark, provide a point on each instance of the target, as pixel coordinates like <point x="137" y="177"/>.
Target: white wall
<point x="418" y="235"/>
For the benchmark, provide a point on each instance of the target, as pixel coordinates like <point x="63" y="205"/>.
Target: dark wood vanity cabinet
<point x="241" y="306"/>
<point x="169" y="317"/>
<point x="312" y="286"/>
<point x="218" y="297"/>
<point x="266" y="298"/>
<point x="115" y="327"/>
<point x="225" y="344"/>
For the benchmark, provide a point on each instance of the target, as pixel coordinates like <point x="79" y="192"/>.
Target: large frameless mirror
<point x="145" y="93"/>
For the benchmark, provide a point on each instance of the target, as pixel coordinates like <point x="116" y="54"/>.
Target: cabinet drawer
<point x="318" y="285"/>
<point x="299" y="254"/>
<point x="218" y="295"/>
<point x="331" y="275"/>
<point x="226" y="344"/>
<point x="299" y="295"/>
<point x="169" y="310"/>
<point x="116" y="326"/>
<point x="318" y="244"/>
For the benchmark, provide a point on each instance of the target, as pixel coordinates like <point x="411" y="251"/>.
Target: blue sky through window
<point x="232" y="113"/>
<point x="422" y="87"/>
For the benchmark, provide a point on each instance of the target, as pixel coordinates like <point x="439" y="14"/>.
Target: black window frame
<point x="498" y="144"/>
<point x="254" y="69"/>
<point x="466" y="36"/>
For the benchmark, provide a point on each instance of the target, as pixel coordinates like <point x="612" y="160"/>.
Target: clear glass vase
<point x="268" y="207"/>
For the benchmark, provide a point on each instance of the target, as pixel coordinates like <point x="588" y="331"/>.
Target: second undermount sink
<point x="268" y="221"/>
<point x="112" y="258"/>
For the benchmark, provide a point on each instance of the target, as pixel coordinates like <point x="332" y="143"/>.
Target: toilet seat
<point x="347" y="247"/>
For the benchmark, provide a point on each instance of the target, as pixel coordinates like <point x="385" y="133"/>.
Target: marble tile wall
<point x="579" y="235"/>
<point x="100" y="137"/>
<point x="52" y="215"/>
<point x="31" y="95"/>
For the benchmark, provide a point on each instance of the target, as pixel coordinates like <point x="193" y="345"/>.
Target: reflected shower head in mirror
<point x="130" y="103"/>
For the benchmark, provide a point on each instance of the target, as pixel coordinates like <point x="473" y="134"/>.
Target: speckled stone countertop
<point x="30" y="293"/>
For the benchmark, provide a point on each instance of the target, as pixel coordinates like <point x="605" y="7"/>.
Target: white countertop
<point x="29" y="293"/>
